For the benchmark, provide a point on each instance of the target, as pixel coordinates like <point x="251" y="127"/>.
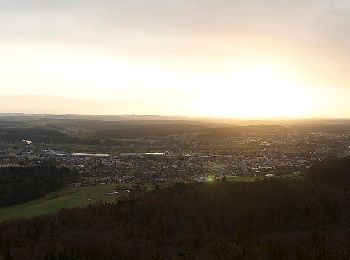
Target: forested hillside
<point x="269" y="219"/>
<point x="21" y="184"/>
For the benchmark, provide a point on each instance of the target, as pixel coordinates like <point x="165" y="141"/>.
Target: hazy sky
<point x="237" y="58"/>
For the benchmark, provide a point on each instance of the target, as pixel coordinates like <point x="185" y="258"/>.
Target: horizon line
<point x="177" y="116"/>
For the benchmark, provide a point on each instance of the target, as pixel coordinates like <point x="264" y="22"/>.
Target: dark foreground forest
<point x="306" y="218"/>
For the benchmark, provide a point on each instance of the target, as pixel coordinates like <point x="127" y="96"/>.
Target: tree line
<point x="22" y="184"/>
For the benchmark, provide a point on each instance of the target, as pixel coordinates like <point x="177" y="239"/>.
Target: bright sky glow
<point x="255" y="92"/>
<point x="246" y="59"/>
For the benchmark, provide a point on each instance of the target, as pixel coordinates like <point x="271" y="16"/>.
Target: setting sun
<point x="256" y="92"/>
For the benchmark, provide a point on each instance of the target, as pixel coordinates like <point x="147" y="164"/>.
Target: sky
<point x="221" y="58"/>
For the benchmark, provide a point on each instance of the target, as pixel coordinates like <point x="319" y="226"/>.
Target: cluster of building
<point x="192" y="158"/>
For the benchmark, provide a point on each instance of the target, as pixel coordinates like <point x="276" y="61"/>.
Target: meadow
<point x="69" y="197"/>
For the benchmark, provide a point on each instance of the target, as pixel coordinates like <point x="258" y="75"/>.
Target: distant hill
<point x="232" y="131"/>
<point x="35" y="134"/>
<point x="62" y="128"/>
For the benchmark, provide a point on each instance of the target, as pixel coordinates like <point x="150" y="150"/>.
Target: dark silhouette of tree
<point x="271" y="219"/>
<point x="21" y="184"/>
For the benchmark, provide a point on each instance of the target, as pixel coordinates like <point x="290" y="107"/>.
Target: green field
<point x="71" y="197"/>
<point x="294" y="176"/>
<point x="65" y="198"/>
<point x="244" y="178"/>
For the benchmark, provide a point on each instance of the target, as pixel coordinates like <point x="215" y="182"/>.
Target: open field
<point x="292" y="176"/>
<point x="67" y="198"/>
<point x="244" y="178"/>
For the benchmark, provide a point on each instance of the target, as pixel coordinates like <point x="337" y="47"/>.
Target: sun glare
<point x="254" y="93"/>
